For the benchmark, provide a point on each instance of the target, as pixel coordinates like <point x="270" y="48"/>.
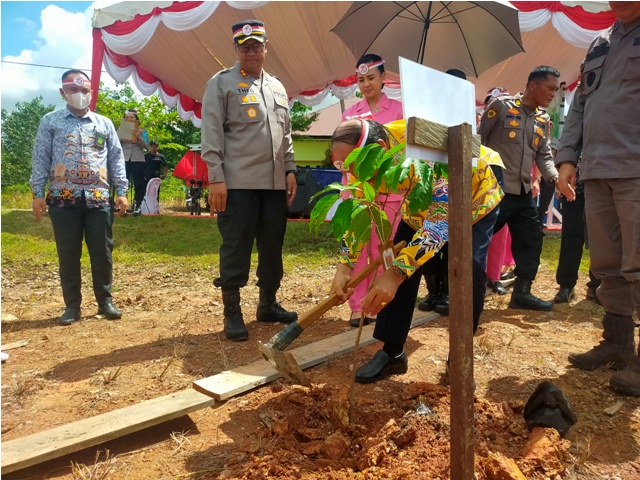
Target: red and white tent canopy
<point x="173" y="48"/>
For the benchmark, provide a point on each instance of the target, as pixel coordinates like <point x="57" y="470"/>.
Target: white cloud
<point x="64" y="40"/>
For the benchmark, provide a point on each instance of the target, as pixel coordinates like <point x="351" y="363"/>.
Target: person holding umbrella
<point x="374" y="106"/>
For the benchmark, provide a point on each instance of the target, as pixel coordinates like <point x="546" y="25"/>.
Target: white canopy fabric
<point x="173" y="48"/>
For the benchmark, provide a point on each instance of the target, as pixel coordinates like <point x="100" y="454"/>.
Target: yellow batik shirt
<point x="431" y="225"/>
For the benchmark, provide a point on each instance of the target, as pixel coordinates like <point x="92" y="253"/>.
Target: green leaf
<point x="383" y="225"/>
<point x="320" y="210"/>
<point x="424" y="172"/>
<point x="369" y="192"/>
<point x="394" y="150"/>
<point x="420" y="198"/>
<point x="360" y="228"/>
<point x="330" y="189"/>
<point x="352" y="157"/>
<point x="441" y="170"/>
<point x="342" y="218"/>
<point x="368" y="161"/>
<point x="382" y="171"/>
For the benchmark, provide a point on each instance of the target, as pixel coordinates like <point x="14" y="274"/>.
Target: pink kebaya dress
<point x="386" y="111"/>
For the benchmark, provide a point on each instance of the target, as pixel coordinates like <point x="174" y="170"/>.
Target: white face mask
<point x="79" y="100"/>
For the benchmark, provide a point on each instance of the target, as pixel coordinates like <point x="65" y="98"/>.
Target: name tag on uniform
<point x="280" y="97"/>
<point x="598" y="51"/>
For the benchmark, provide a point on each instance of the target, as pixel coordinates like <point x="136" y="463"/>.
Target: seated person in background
<point x="393" y="294"/>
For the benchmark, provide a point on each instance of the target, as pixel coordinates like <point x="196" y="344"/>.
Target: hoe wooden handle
<point x="333" y="300"/>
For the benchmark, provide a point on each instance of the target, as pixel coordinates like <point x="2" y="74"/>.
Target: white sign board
<point x="437" y="97"/>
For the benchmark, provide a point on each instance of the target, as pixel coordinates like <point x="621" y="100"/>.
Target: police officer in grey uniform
<point x="246" y="143"/>
<point x="604" y="121"/>
<point x="518" y="129"/>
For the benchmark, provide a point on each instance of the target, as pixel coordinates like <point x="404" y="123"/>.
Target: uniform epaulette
<point x="226" y="70"/>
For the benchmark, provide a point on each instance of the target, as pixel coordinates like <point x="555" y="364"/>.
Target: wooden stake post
<point x="461" y="146"/>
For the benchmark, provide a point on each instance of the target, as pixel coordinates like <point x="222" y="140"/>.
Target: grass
<point x="551" y="252"/>
<point x="179" y="245"/>
<point x="100" y="470"/>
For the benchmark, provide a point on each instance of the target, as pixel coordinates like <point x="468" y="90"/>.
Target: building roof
<point x="328" y="119"/>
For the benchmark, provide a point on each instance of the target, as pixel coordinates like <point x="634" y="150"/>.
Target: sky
<point x="43" y="35"/>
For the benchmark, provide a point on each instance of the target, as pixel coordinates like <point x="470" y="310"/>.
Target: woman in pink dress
<point x="374" y="106"/>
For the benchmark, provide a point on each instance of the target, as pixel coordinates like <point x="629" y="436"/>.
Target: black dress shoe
<point x="109" y="311"/>
<point x="498" y="288"/>
<point x="564" y="295"/>
<point x="507" y="276"/>
<point x="70" y="315"/>
<point x="380" y="366"/>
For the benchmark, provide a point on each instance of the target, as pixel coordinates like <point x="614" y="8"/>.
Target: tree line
<point x="163" y="124"/>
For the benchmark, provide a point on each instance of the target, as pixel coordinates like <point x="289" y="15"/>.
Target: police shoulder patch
<point x="492" y="113"/>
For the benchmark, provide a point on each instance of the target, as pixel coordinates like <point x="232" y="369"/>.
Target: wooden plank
<point x="57" y="442"/>
<point x="11" y="346"/>
<point x="233" y="382"/>
<point x="423" y="133"/>
<point x="461" y="305"/>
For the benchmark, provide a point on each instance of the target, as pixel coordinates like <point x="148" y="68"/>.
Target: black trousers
<point x="571" y="243"/>
<point x="135" y="175"/>
<point x="438" y="264"/>
<point x="546" y="194"/>
<point x="249" y="215"/>
<point x="521" y="214"/>
<point x="394" y="321"/>
<point x="70" y="226"/>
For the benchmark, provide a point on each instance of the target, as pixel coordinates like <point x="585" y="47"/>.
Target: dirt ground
<point x="171" y="334"/>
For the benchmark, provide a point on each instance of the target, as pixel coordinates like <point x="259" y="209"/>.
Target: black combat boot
<point x="433" y="294"/>
<point x="270" y="311"/>
<point x="627" y="381"/>
<point x="616" y="350"/>
<point x="521" y="297"/>
<point x="234" y="327"/>
<point x="442" y="306"/>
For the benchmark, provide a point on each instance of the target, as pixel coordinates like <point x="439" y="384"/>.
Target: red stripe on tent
<point x="578" y="15"/>
<point x="123" y="28"/>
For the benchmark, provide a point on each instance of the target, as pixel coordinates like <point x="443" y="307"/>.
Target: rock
<point x="613" y="409"/>
<point x="339" y="404"/>
<point x="541" y="443"/>
<point x="499" y="467"/>
<point x="405" y="436"/>
<point x="390" y="429"/>
<point x="311" y="449"/>
<point x="9" y="318"/>
<point x="280" y="427"/>
<point x="334" y="446"/>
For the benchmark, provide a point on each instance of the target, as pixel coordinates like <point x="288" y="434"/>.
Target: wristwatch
<point x="295" y="172"/>
<point x="553" y="180"/>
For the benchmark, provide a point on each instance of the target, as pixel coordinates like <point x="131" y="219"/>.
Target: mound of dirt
<point x="306" y="432"/>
